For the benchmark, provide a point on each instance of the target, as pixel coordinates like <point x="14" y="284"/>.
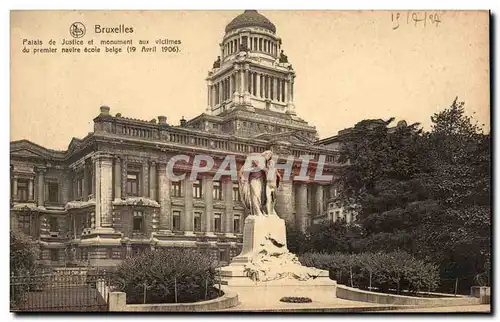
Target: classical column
<point x="257" y="85"/>
<point x="104" y="190"/>
<point x="212" y="96"/>
<point x="220" y="92"/>
<point x="164" y="198"/>
<point x="242" y="81"/>
<point x="41" y="187"/>
<point x="209" y="101"/>
<point x="227" y="193"/>
<point x="278" y="89"/>
<point x="268" y="86"/>
<point x="301" y="205"/>
<point x="93" y="177"/>
<point x="187" y="224"/>
<point x="152" y="181"/>
<point x="30" y="189"/>
<point x="207" y="223"/>
<point x="275" y="88"/>
<point x="118" y="177"/>
<point x="224" y="90"/>
<point x="284" y="202"/>
<point x="287" y="91"/>
<point x="250" y="82"/>
<point x="319" y="200"/>
<point x="144" y="184"/>
<point x="14" y="189"/>
<point x="85" y="188"/>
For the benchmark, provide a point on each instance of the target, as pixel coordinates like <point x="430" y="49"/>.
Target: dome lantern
<point x="250" y="18"/>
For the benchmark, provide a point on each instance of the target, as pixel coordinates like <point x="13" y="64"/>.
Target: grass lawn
<point x="67" y="299"/>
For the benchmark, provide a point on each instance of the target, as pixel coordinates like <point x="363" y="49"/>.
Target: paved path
<point x="255" y="299"/>
<point x="268" y="299"/>
<point x="484" y="308"/>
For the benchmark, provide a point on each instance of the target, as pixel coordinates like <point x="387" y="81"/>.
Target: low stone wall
<point x="354" y="294"/>
<point x="118" y="303"/>
<point x="481" y="292"/>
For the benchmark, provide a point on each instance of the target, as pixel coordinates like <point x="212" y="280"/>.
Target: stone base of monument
<point x="266" y="267"/>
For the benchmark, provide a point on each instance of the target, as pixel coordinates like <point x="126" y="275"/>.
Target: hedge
<point x="382" y="271"/>
<point x="171" y="275"/>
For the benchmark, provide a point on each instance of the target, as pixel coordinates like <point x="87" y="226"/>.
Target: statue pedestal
<point x="265" y="255"/>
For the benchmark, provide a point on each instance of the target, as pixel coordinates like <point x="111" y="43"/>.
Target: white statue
<point x="258" y="188"/>
<point x="270" y="259"/>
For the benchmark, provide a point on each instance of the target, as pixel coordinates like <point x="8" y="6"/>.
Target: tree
<point x="329" y="236"/>
<point x="381" y="182"/>
<point x="459" y="231"/>
<point x="23" y="254"/>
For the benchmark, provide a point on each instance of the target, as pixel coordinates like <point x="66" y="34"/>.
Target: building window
<point x="237" y="223"/>
<point x="53" y="225"/>
<point x="236" y="192"/>
<point x="132" y="183"/>
<point x="223" y="256"/>
<point x="197" y="221"/>
<point x="23" y="223"/>
<point x="217" y="190"/>
<point x="53" y="191"/>
<point x="197" y="189"/>
<point x="176" y="188"/>
<point x="22" y="190"/>
<point x="217" y="223"/>
<point x="337" y="215"/>
<point x="138" y="222"/>
<point x="54" y="255"/>
<point x="176" y="220"/>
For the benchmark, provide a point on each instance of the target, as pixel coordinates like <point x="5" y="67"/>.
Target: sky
<point x="350" y="66"/>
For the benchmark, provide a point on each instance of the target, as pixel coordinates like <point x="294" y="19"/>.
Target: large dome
<point x="250" y="18"/>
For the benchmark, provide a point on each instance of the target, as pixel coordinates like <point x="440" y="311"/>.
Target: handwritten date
<point x="418" y="19"/>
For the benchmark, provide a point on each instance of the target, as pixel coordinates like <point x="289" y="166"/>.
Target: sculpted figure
<point x="217" y="63"/>
<point x="258" y="188"/>
<point x="283" y="58"/>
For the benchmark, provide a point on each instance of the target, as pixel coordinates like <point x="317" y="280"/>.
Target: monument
<point x="265" y="259"/>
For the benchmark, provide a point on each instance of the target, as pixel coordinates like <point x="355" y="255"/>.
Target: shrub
<point x="23" y="255"/>
<point x="154" y="276"/>
<point x="395" y="270"/>
<point x="295" y="299"/>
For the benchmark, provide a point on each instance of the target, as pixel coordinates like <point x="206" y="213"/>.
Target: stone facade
<point x="108" y="195"/>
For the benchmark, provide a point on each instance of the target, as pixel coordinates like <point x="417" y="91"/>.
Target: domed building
<point x="108" y="195"/>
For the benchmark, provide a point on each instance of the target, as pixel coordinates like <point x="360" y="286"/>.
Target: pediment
<point x="27" y="149"/>
<point x="26" y="153"/>
<point x="74" y="144"/>
<point x="290" y="136"/>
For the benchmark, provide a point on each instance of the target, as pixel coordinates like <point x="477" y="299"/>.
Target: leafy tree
<point x="23" y="256"/>
<point x="381" y="182"/>
<point x="427" y="193"/>
<point x="459" y="231"/>
<point x="331" y="236"/>
<point x="23" y="253"/>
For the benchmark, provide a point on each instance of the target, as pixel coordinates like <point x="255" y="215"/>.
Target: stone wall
<point x="117" y="303"/>
<point x="354" y="294"/>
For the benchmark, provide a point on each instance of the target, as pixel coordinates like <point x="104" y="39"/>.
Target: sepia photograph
<point x="272" y="161"/>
